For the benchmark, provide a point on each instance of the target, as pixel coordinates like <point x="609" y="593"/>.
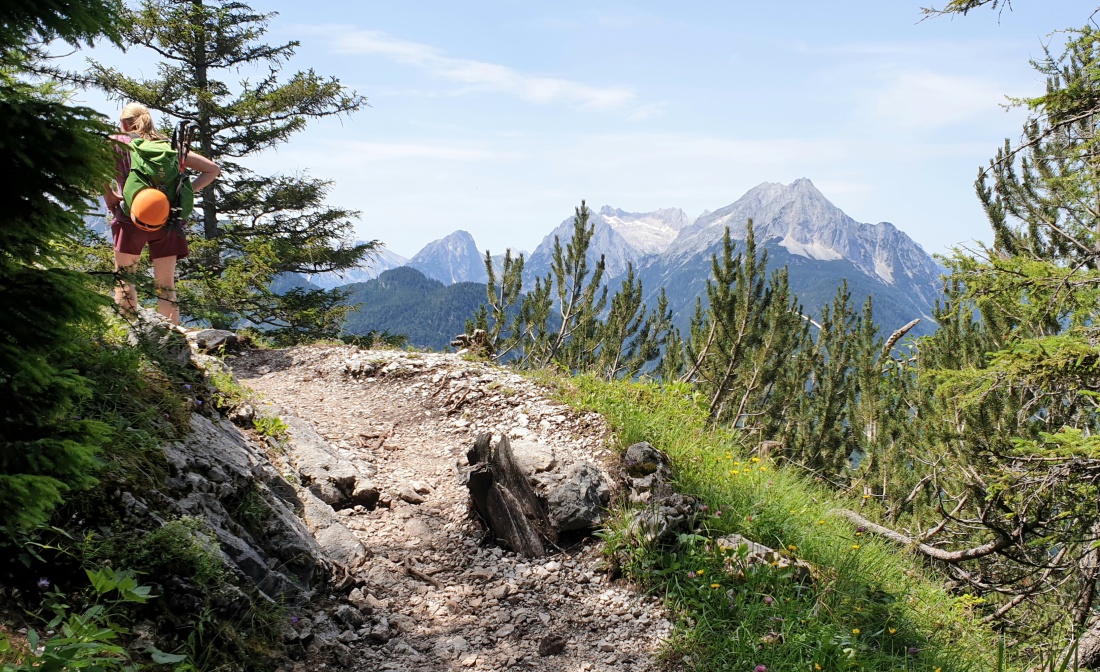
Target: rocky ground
<point x="435" y="594"/>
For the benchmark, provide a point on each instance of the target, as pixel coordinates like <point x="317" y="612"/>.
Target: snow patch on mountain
<point x="810" y="250"/>
<point x="647" y="232"/>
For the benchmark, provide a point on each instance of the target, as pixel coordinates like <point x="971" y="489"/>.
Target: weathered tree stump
<point x="505" y="500"/>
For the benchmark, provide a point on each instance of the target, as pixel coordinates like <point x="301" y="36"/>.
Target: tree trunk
<point x="206" y="133"/>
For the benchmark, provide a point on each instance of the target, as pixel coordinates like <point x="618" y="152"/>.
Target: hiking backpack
<point x="159" y="164"/>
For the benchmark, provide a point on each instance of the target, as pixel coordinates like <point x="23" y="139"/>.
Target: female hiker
<point x="166" y="243"/>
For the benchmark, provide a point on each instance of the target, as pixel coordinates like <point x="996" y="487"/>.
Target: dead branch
<point x="897" y="336"/>
<point x="943" y="523"/>
<point x="423" y="576"/>
<point x="912" y="495"/>
<point x="997" y="544"/>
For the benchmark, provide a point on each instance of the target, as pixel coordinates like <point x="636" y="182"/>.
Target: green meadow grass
<point x="870" y="605"/>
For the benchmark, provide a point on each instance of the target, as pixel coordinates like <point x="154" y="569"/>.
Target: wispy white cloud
<point x="482" y="75"/>
<point x="926" y="100"/>
<point x="351" y="153"/>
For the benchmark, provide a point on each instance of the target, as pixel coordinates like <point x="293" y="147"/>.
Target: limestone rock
<point x="212" y="472"/>
<point x="666" y="518"/>
<point x="338" y="542"/>
<point x="533" y="458"/>
<point x="577" y="503"/>
<point x="153" y="331"/>
<point x="332" y="478"/>
<point x="213" y="340"/>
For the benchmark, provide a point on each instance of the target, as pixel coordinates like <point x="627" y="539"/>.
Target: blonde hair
<point x="140" y="121"/>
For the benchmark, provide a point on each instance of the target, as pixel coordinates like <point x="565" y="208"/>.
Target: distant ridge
<point x="375" y="264"/>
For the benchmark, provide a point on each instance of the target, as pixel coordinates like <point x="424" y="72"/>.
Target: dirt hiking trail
<point x="435" y="595"/>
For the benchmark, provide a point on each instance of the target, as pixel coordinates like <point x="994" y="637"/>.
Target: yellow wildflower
<point x="855" y="547"/>
<point x="855" y="631"/>
<point x="715" y="585"/>
<point x="756" y="459"/>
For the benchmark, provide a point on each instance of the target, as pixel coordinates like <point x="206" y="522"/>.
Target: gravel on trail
<point x="434" y="595"/>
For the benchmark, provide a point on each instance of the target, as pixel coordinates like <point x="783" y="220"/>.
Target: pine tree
<point x="254" y="228"/>
<point x="629" y="338"/>
<point x="1001" y="402"/>
<point x="54" y="158"/>
<point x="502" y="319"/>
<point x="581" y="297"/>
<point x="739" y="346"/>
<point x="1043" y="201"/>
<point x="584" y="334"/>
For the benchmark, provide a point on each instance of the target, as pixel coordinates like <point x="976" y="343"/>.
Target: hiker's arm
<point x="110" y="198"/>
<point x="208" y="170"/>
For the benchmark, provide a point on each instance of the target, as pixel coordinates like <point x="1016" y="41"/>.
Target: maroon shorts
<point x="131" y="240"/>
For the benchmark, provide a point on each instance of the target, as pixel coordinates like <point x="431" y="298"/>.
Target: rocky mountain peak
<point x="454" y="258"/>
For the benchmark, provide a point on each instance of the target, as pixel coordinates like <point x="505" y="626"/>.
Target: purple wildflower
<point x="913" y="650"/>
<point x="186" y="386"/>
<point x="198" y="402"/>
<point x="43" y="583"/>
<point x="294" y="620"/>
<point x="761" y="668"/>
<point x="768" y="599"/>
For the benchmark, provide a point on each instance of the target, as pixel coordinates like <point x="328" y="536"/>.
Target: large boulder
<point x="578" y="501"/>
<point x="213" y="340"/>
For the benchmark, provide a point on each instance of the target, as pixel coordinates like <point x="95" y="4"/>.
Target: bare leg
<point x="125" y="292"/>
<point x="164" y="274"/>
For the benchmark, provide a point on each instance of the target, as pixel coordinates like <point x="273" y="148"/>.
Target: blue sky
<point x="499" y="116"/>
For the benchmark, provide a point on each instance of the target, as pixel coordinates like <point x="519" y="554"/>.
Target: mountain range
<point x="796" y="224"/>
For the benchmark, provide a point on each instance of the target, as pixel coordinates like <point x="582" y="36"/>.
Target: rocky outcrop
<point x="215" y="474"/>
<point x="152" y="332"/>
<point x="335" y="480"/>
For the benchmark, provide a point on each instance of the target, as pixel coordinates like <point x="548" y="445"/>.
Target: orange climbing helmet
<point x="150" y="209"/>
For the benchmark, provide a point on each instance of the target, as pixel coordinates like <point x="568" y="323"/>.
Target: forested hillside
<point x="403" y="302"/>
